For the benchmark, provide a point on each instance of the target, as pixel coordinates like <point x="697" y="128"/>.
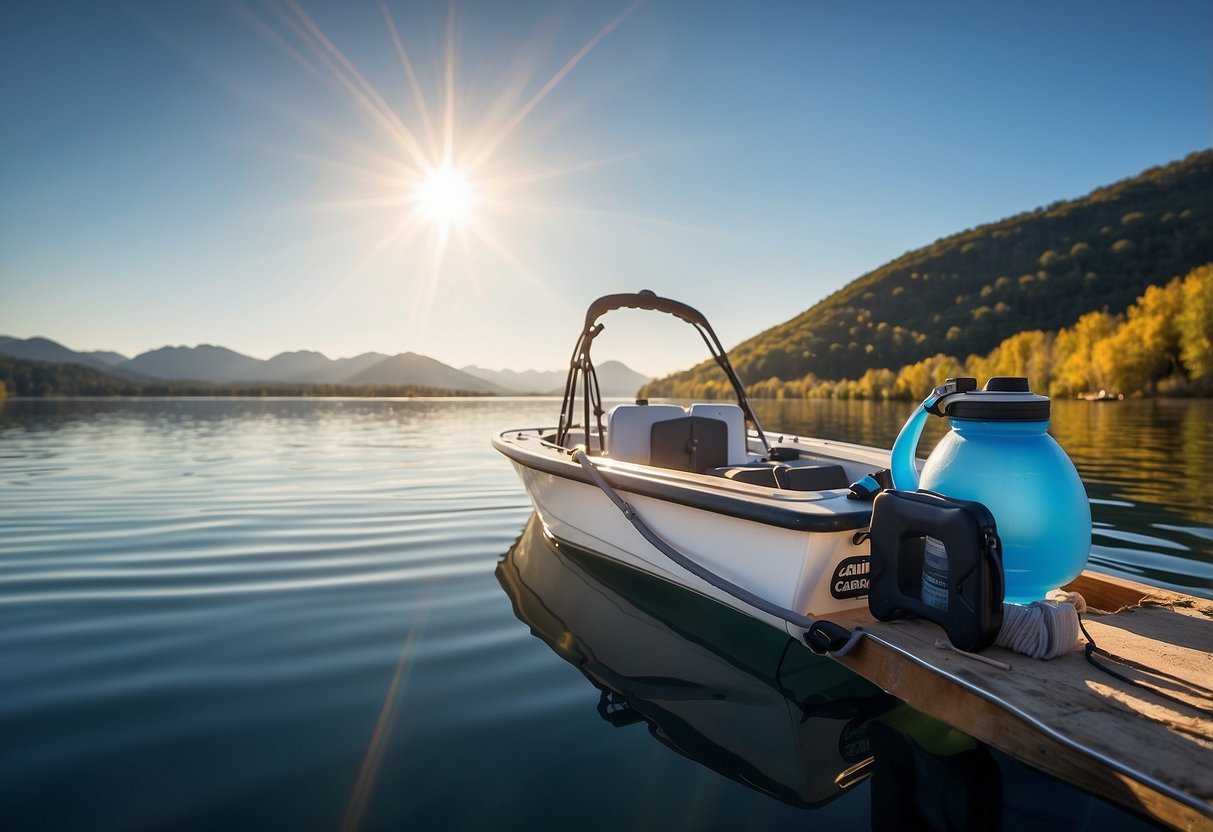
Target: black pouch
<point x="913" y="534"/>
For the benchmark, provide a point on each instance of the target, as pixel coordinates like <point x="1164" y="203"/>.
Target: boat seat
<point x="692" y="443"/>
<point x="629" y="427"/>
<point x="734" y="417"/>
<point x="817" y="477"/>
<point x="812" y="477"/>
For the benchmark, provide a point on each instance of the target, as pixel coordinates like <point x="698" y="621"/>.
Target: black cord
<point x="1092" y="650"/>
<point x="820" y="636"/>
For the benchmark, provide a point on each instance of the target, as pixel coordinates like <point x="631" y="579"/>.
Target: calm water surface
<point x="295" y="614"/>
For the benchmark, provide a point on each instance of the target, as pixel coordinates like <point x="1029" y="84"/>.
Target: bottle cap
<point x="1004" y="398"/>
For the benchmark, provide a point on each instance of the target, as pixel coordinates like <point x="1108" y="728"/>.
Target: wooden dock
<point x="1066" y="717"/>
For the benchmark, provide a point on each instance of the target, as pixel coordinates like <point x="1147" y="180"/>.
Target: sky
<point x="462" y="180"/>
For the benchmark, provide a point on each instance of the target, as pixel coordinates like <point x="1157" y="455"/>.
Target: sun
<point x="458" y="183"/>
<point x="446" y="196"/>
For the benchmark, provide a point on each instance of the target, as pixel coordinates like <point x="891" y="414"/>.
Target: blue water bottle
<point x="999" y="453"/>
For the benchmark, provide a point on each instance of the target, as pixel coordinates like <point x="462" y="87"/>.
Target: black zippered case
<point x="964" y="532"/>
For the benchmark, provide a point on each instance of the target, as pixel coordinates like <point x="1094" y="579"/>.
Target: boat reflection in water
<point x="714" y="685"/>
<point x="738" y="697"/>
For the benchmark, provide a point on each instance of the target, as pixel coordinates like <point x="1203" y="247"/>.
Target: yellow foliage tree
<point x="1145" y="348"/>
<point x="1195" y="323"/>
<point x="1029" y="354"/>
<point x="915" y="381"/>
<point x="877" y="384"/>
<point x="1075" y="369"/>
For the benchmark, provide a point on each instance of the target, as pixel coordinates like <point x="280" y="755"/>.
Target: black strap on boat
<point x="1092" y="650"/>
<point x="821" y="636"/>
<point x="868" y="486"/>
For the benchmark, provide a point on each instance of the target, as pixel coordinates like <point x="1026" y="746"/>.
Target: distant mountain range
<point x="219" y="365"/>
<point x="614" y="379"/>
<point x="44" y="349"/>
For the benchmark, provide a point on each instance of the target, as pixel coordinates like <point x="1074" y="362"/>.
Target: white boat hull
<point x="796" y="569"/>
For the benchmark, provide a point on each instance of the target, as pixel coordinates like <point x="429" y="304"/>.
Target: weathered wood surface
<point x="1067" y="717"/>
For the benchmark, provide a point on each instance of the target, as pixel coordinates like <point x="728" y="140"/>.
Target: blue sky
<point x="204" y="172"/>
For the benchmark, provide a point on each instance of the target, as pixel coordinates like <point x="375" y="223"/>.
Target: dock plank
<point x="1067" y="717"/>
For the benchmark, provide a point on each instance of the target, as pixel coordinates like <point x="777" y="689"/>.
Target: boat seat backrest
<point x="692" y="443"/>
<point x="629" y="429"/>
<point x="733" y="416"/>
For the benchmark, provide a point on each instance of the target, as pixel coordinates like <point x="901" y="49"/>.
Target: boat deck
<point x="1065" y="716"/>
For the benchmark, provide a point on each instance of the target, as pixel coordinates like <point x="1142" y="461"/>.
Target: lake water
<point x="263" y="614"/>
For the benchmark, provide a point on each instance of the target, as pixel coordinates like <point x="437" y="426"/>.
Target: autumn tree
<point x="1029" y="354"/>
<point x="1195" y="324"/>
<point x="915" y="381"/>
<point x="1145" y="348"/>
<point x="1074" y="368"/>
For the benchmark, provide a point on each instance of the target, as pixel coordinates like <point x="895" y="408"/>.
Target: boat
<point x="774" y="518"/>
<point x="1100" y="396"/>
<point x="776" y="527"/>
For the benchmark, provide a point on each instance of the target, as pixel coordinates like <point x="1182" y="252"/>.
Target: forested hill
<point x="26" y="377"/>
<point x="966" y="293"/>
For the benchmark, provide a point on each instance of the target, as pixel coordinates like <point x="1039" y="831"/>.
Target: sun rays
<point x="450" y="174"/>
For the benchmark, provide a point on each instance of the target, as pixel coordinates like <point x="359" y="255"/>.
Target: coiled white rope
<point x="1043" y="629"/>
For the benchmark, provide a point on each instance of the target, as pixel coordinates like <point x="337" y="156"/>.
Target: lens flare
<point x="458" y="181"/>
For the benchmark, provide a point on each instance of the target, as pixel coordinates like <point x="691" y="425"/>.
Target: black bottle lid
<point x="1004" y="398"/>
<point x="1007" y="384"/>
